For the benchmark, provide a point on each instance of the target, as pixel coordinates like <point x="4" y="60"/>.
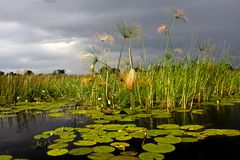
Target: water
<point x="16" y="134"/>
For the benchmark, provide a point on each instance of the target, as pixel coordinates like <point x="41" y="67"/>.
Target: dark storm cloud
<point x="33" y="31"/>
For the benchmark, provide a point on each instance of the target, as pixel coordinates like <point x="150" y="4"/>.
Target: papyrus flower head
<point x="180" y="14"/>
<point x="103" y="37"/>
<point x="163" y="28"/>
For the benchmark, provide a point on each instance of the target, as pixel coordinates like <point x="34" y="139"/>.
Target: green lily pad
<point x="84" y="143"/>
<point x="168" y="126"/>
<point x="57" y="145"/>
<point x="129" y="153"/>
<point x="189" y="140"/>
<point x="192" y="127"/>
<point x="82" y="130"/>
<point x="113" y="127"/>
<point x="230" y="132"/>
<point x="95" y="126"/>
<point x="170" y="139"/>
<point x="57" y="152"/>
<point x="80" y="151"/>
<point x="41" y="136"/>
<point x="123" y="138"/>
<point x="197" y="111"/>
<point x="101" y="121"/>
<point x="63" y="140"/>
<point x="122" y="157"/>
<point x="212" y="132"/>
<point x="138" y="134"/>
<point x="150" y="156"/>
<point x="162" y="115"/>
<point x="103" y="139"/>
<point x="120" y="145"/>
<point x="100" y="156"/>
<point x="158" y="148"/>
<point x="5" y="157"/>
<point x="59" y="114"/>
<point x="192" y="134"/>
<point x="177" y="132"/>
<point x="157" y="132"/>
<point x="103" y="149"/>
<point x="142" y="115"/>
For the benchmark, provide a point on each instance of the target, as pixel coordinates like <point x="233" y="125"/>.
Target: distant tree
<point x="1" y="73"/>
<point x="59" y="72"/>
<point x="28" y="72"/>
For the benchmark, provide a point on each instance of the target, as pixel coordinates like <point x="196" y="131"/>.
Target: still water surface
<point x="16" y="134"/>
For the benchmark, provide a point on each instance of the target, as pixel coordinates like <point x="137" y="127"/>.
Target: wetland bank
<point x="184" y="105"/>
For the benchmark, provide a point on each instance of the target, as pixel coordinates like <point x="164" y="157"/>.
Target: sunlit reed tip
<point x="103" y="37"/>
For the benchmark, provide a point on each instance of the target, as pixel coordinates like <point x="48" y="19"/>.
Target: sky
<point x="45" y="35"/>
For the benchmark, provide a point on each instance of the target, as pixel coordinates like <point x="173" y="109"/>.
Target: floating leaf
<point x="82" y="130"/>
<point x="192" y="134"/>
<point x="63" y="140"/>
<point x="80" y="151"/>
<point x="95" y="126"/>
<point x="120" y="145"/>
<point x="142" y="115"/>
<point x="5" y="157"/>
<point x="57" y="145"/>
<point x="189" y="139"/>
<point x="192" y="127"/>
<point x="177" y="132"/>
<point x="57" y="152"/>
<point x="103" y="139"/>
<point x="122" y="157"/>
<point x="168" y="126"/>
<point x="157" y="132"/>
<point x="84" y="143"/>
<point x="151" y="156"/>
<point x="168" y="139"/>
<point x="230" y="132"/>
<point x="129" y="153"/>
<point x="113" y="127"/>
<point x="101" y="121"/>
<point x="59" y="114"/>
<point x="103" y="149"/>
<point x="41" y="136"/>
<point x="162" y="115"/>
<point x="123" y="138"/>
<point x="137" y="134"/>
<point x="158" y="148"/>
<point x="100" y="156"/>
<point x="197" y="111"/>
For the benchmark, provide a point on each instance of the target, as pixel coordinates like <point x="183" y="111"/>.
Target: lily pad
<point x="197" y="111"/>
<point x="84" y="143"/>
<point x="80" y="151"/>
<point x="192" y="127"/>
<point x="151" y="156"/>
<point x="189" y="140"/>
<point x="120" y="145"/>
<point x="57" y="152"/>
<point x="100" y="156"/>
<point x="230" y="132"/>
<point x="177" y="132"/>
<point x="82" y="130"/>
<point x="57" y="145"/>
<point x="157" y="132"/>
<point x="101" y="121"/>
<point x="170" y="139"/>
<point x="123" y="138"/>
<point x="122" y="157"/>
<point x="103" y="149"/>
<point x="129" y="153"/>
<point x="5" y="157"/>
<point x="103" y="139"/>
<point x="168" y="126"/>
<point x="113" y="127"/>
<point x="162" y="115"/>
<point x="138" y="134"/>
<point x="158" y="148"/>
<point x="41" y="136"/>
<point x="59" y="114"/>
